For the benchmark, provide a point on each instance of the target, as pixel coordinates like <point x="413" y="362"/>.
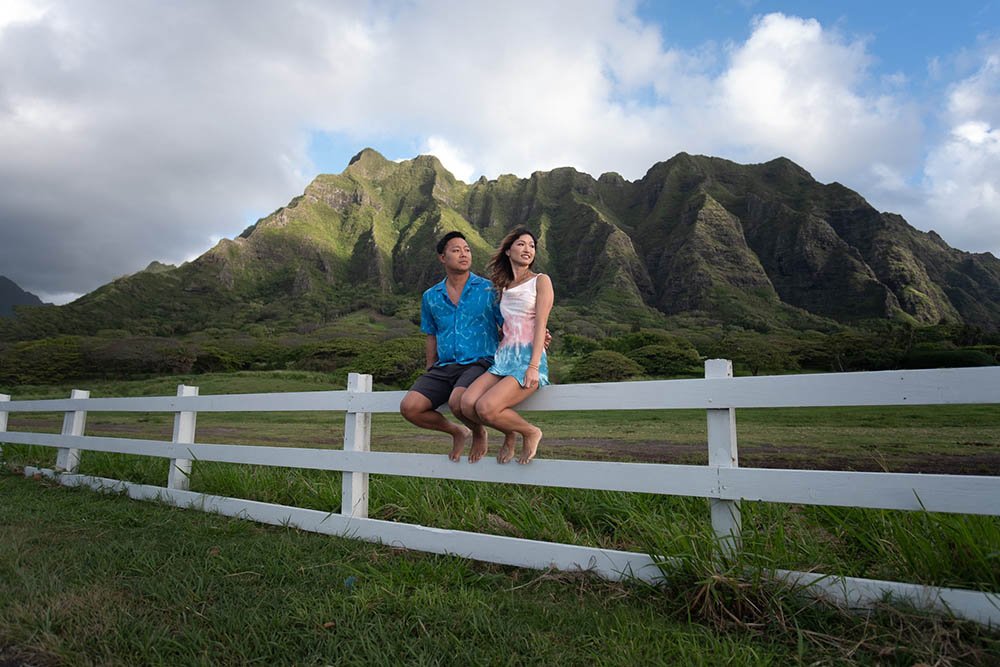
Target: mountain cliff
<point x="694" y="234"/>
<point x="12" y="295"/>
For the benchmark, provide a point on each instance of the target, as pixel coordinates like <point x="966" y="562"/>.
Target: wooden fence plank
<point x="295" y="401"/>
<point x="357" y="438"/>
<point x="74" y="423"/>
<point x="918" y="387"/>
<point x="936" y="386"/>
<point x="179" y="474"/>
<point x="967" y="494"/>
<point x="606" y="563"/>
<point x="600" y="475"/>
<point x="723" y="453"/>
<point x="4" y="398"/>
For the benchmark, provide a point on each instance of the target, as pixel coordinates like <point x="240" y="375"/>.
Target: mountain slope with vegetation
<point x="716" y="252"/>
<point x="694" y="234"/>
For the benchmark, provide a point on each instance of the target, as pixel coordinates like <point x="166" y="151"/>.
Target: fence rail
<point x="722" y="481"/>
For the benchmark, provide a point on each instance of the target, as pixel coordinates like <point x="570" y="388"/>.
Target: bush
<point x="605" y="366"/>
<point x="667" y="360"/>
<point x="574" y="345"/>
<point x="946" y="359"/>
<point x="140" y="356"/>
<point x="334" y="355"/>
<point x="213" y="360"/>
<point x="633" y="341"/>
<point x="392" y="362"/>
<point x="50" y="360"/>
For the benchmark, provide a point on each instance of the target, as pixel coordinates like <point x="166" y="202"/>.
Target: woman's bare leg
<point x="480" y="386"/>
<point x="495" y="408"/>
<point x="506" y="452"/>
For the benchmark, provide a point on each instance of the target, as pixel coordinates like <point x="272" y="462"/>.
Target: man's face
<point x="457" y="256"/>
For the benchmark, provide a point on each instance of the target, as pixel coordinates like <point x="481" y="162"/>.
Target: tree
<point x="605" y="366"/>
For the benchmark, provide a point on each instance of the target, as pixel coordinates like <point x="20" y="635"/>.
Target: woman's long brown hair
<point x="500" y="270"/>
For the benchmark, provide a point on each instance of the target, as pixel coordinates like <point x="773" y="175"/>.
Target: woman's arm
<point x="544" y="297"/>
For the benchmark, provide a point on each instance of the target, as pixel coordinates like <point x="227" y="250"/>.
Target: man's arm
<point x="430" y="351"/>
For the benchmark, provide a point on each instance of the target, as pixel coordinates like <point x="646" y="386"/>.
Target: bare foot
<point x="458" y="439"/>
<point x="530" y="446"/>
<point x="480" y="443"/>
<point x="506" y="452"/>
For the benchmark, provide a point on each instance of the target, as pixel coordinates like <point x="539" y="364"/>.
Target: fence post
<point x="722" y="452"/>
<point x="179" y="476"/>
<point x="74" y="422"/>
<point x="357" y="438"/>
<point x="3" y="419"/>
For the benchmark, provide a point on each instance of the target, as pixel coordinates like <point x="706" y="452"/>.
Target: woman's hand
<point x="531" y="378"/>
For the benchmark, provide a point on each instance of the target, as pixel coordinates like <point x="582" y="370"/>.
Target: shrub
<point x="633" y="341"/>
<point x="946" y="359"/>
<point x="665" y="360"/>
<point x="334" y="355"/>
<point x="392" y="362"/>
<point x="50" y="360"/>
<point x="574" y="345"/>
<point x="140" y="356"/>
<point x="605" y="366"/>
<point x="211" y="359"/>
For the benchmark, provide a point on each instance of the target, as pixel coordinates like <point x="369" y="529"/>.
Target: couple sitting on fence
<point x="479" y="374"/>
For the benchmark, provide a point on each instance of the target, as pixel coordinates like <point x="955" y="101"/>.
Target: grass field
<point x="80" y="565"/>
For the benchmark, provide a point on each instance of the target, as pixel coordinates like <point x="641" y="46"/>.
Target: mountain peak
<point x="367" y="155"/>
<point x="370" y="164"/>
<point x="12" y="295"/>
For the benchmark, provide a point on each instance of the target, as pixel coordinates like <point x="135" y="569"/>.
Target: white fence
<point x="722" y="481"/>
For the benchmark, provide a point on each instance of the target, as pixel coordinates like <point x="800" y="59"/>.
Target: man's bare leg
<point x="416" y="409"/>
<point x="480" y="439"/>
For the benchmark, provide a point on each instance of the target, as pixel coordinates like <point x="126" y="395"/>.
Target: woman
<point x="520" y="366"/>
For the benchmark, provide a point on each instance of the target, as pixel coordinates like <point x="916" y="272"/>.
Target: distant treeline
<point x="395" y="360"/>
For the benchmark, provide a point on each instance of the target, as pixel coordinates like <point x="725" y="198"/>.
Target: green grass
<point x="99" y="579"/>
<point x="933" y="549"/>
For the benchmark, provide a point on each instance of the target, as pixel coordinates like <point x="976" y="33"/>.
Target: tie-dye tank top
<point x="514" y="354"/>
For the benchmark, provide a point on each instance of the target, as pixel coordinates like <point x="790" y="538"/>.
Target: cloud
<point x="451" y="157"/>
<point x="962" y="173"/>
<point x="144" y="131"/>
<point x="801" y="91"/>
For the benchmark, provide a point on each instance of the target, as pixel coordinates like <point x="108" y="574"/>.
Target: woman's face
<point x="522" y="251"/>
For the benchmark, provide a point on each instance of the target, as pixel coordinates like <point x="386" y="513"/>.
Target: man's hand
<point x="548" y="339"/>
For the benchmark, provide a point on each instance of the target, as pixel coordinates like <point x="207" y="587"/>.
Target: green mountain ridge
<point x="695" y="234"/>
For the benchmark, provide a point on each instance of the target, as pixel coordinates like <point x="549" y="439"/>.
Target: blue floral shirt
<point x="467" y="332"/>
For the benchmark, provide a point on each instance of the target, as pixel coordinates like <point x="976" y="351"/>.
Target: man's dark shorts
<point x="438" y="383"/>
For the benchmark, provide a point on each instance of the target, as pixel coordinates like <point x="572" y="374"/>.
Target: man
<point x="461" y="317"/>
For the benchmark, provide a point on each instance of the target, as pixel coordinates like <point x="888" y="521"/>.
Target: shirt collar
<point x="473" y="279"/>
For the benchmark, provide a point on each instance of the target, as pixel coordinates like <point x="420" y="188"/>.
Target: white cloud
<point x="798" y="90"/>
<point x="19" y="11"/>
<point x="962" y="174"/>
<point x="451" y="157"/>
<point x="136" y="132"/>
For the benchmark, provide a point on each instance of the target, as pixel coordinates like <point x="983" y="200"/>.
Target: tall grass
<point x="99" y="579"/>
<point x="919" y="547"/>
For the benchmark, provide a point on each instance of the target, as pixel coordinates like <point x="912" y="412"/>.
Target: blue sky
<point x="140" y="131"/>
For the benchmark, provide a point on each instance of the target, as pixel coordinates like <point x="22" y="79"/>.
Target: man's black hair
<point x="443" y="243"/>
